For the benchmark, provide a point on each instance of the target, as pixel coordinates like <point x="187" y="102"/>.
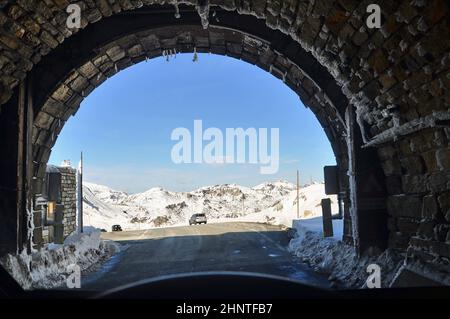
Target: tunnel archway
<point x="378" y="93"/>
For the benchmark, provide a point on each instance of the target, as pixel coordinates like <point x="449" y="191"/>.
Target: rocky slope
<point x="104" y="207"/>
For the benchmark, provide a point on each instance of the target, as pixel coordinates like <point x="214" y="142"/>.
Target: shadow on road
<point x="158" y="252"/>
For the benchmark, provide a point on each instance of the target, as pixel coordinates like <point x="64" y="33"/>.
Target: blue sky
<point x="124" y="126"/>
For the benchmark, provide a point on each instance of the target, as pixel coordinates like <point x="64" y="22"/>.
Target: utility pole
<point x="298" y="195"/>
<point x="139" y="214"/>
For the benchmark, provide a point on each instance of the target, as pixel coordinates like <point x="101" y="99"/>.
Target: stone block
<point x="441" y="232"/>
<point x="394" y="185"/>
<point x="407" y="226"/>
<point x="44" y="120"/>
<point x="115" y="53"/>
<point x="439" y="182"/>
<point x="444" y="204"/>
<point x="414" y="184"/>
<point x="62" y="93"/>
<point x="88" y="70"/>
<point x="412" y="165"/>
<point x="443" y="159"/>
<point x="426" y="229"/>
<point x="430" y="209"/>
<point x="392" y="224"/>
<point x="404" y="206"/>
<point x="398" y="240"/>
<point x="391" y="167"/>
<point x="430" y="161"/>
<point x="135" y="50"/>
<point x="412" y="278"/>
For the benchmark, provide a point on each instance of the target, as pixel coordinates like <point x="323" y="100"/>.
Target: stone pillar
<point x="9" y="129"/>
<point x="69" y="198"/>
<point x="347" y="233"/>
<point x="418" y="170"/>
<point x="16" y="121"/>
<point x="344" y="195"/>
<point x="367" y="191"/>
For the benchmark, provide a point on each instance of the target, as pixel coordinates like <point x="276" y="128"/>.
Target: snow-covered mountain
<point x="267" y="202"/>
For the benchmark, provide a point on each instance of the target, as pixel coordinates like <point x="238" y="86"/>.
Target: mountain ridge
<point x="156" y="207"/>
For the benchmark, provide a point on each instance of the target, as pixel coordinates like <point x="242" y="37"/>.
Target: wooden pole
<point x="327" y="218"/>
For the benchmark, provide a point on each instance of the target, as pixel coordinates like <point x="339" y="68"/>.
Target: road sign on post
<point x="331" y="179"/>
<point x="326" y="218"/>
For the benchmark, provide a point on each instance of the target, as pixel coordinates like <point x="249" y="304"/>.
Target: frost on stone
<point x="203" y="11"/>
<point x="351" y="173"/>
<point x="403" y="45"/>
<point x="339" y="260"/>
<point x="169" y="53"/>
<point x="362" y="109"/>
<point x="177" y="14"/>
<point x="30" y="227"/>
<point x="418" y="266"/>
<point x="418" y="3"/>
<point x="422" y="25"/>
<point x="410" y="127"/>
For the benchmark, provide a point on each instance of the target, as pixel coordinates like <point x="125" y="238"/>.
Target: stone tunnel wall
<point x="69" y="198"/>
<point x="396" y="77"/>
<point x="399" y="60"/>
<point x="418" y="180"/>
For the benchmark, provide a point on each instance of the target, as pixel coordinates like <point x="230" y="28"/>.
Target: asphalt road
<point x="250" y="247"/>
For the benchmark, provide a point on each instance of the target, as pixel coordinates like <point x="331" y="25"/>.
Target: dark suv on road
<point x="116" y="228"/>
<point x="197" y="219"/>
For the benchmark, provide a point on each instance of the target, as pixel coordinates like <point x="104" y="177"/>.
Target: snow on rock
<point x="283" y="187"/>
<point x="273" y="202"/>
<point x="283" y="210"/>
<point x="50" y="266"/>
<point x="105" y="193"/>
<point x="338" y="259"/>
<point x="101" y="208"/>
